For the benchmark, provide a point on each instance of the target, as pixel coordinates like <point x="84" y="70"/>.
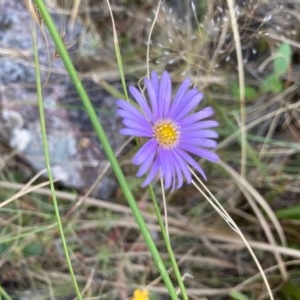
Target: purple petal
<point x="148" y="148"/>
<point x="155" y="82"/>
<point x="180" y="93"/>
<point x="134" y="117"/>
<point x="178" y="171"/>
<point x="170" y="164"/>
<point x="191" y="162"/>
<point x="183" y="166"/>
<point x="164" y="94"/>
<point x="146" y="164"/>
<point x="205" y="133"/>
<point x="206" y="143"/>
<point x="189" y="106"/>
<point x="195" y="117"/>
<point x="140" y="99"/>
<point x="179" y="177"/>
<point x="182" y="102"/>
<point x="136" y="132"/>
<point x="129" y="108"/>
<point x="153" y="97"/>
<point x="165" y="166"/>
<point x="153" y="172"/>
<point x="211" y="156"/>
<point x="201" y="125"/>
<point x="142" y="124"/>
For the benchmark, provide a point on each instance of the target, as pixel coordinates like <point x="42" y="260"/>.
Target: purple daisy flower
<point x="175" y="133"/>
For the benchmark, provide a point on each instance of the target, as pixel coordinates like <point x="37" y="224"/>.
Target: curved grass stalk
<point x="106" y="145"/>
<point x="149" y="38"/>
<point x="250" y="193"/>
<point x="227" y="218"/>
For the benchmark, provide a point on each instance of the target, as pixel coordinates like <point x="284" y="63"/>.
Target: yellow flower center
<point x="166" y="133"/>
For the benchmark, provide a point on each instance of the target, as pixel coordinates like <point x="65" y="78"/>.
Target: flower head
<point x="140" y="295"/>
<point x="175" y="132"/>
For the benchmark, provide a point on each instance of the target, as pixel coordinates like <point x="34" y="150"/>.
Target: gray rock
<point x="75" y="152"/>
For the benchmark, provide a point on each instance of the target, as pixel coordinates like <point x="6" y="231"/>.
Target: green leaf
<point x="238" y="296"/>
<point x="290" y="291"/>
<point x="33" y="249"/>
<point x="250" y="92"/>
<point x="283" y="59"/>
<point x="292" y="213"/>
<point x="271" y="83"/>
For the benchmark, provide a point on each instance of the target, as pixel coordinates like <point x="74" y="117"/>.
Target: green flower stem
<point x="106" y="146"/>
<point x="168" y="245"/>
<point x="48" y="165"/>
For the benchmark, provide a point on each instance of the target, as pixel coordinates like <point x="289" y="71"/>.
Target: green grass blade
<point x="4" y="294"/>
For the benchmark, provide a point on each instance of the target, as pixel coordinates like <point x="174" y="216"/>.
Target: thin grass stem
<point x="118" y="52"/>
<point x="166" y="238"/>
<point x="241" y="74"/>
<point x="25" y="234"/>
<point x="48" y="164"/>
<point x="165" y="208"/>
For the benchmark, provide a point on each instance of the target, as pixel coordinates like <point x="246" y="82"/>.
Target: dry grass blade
<point x="205" y="192"/>
<point x="27" y="188"/>
<point x="241" y="74"/>
<point x="247" y="189"/>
